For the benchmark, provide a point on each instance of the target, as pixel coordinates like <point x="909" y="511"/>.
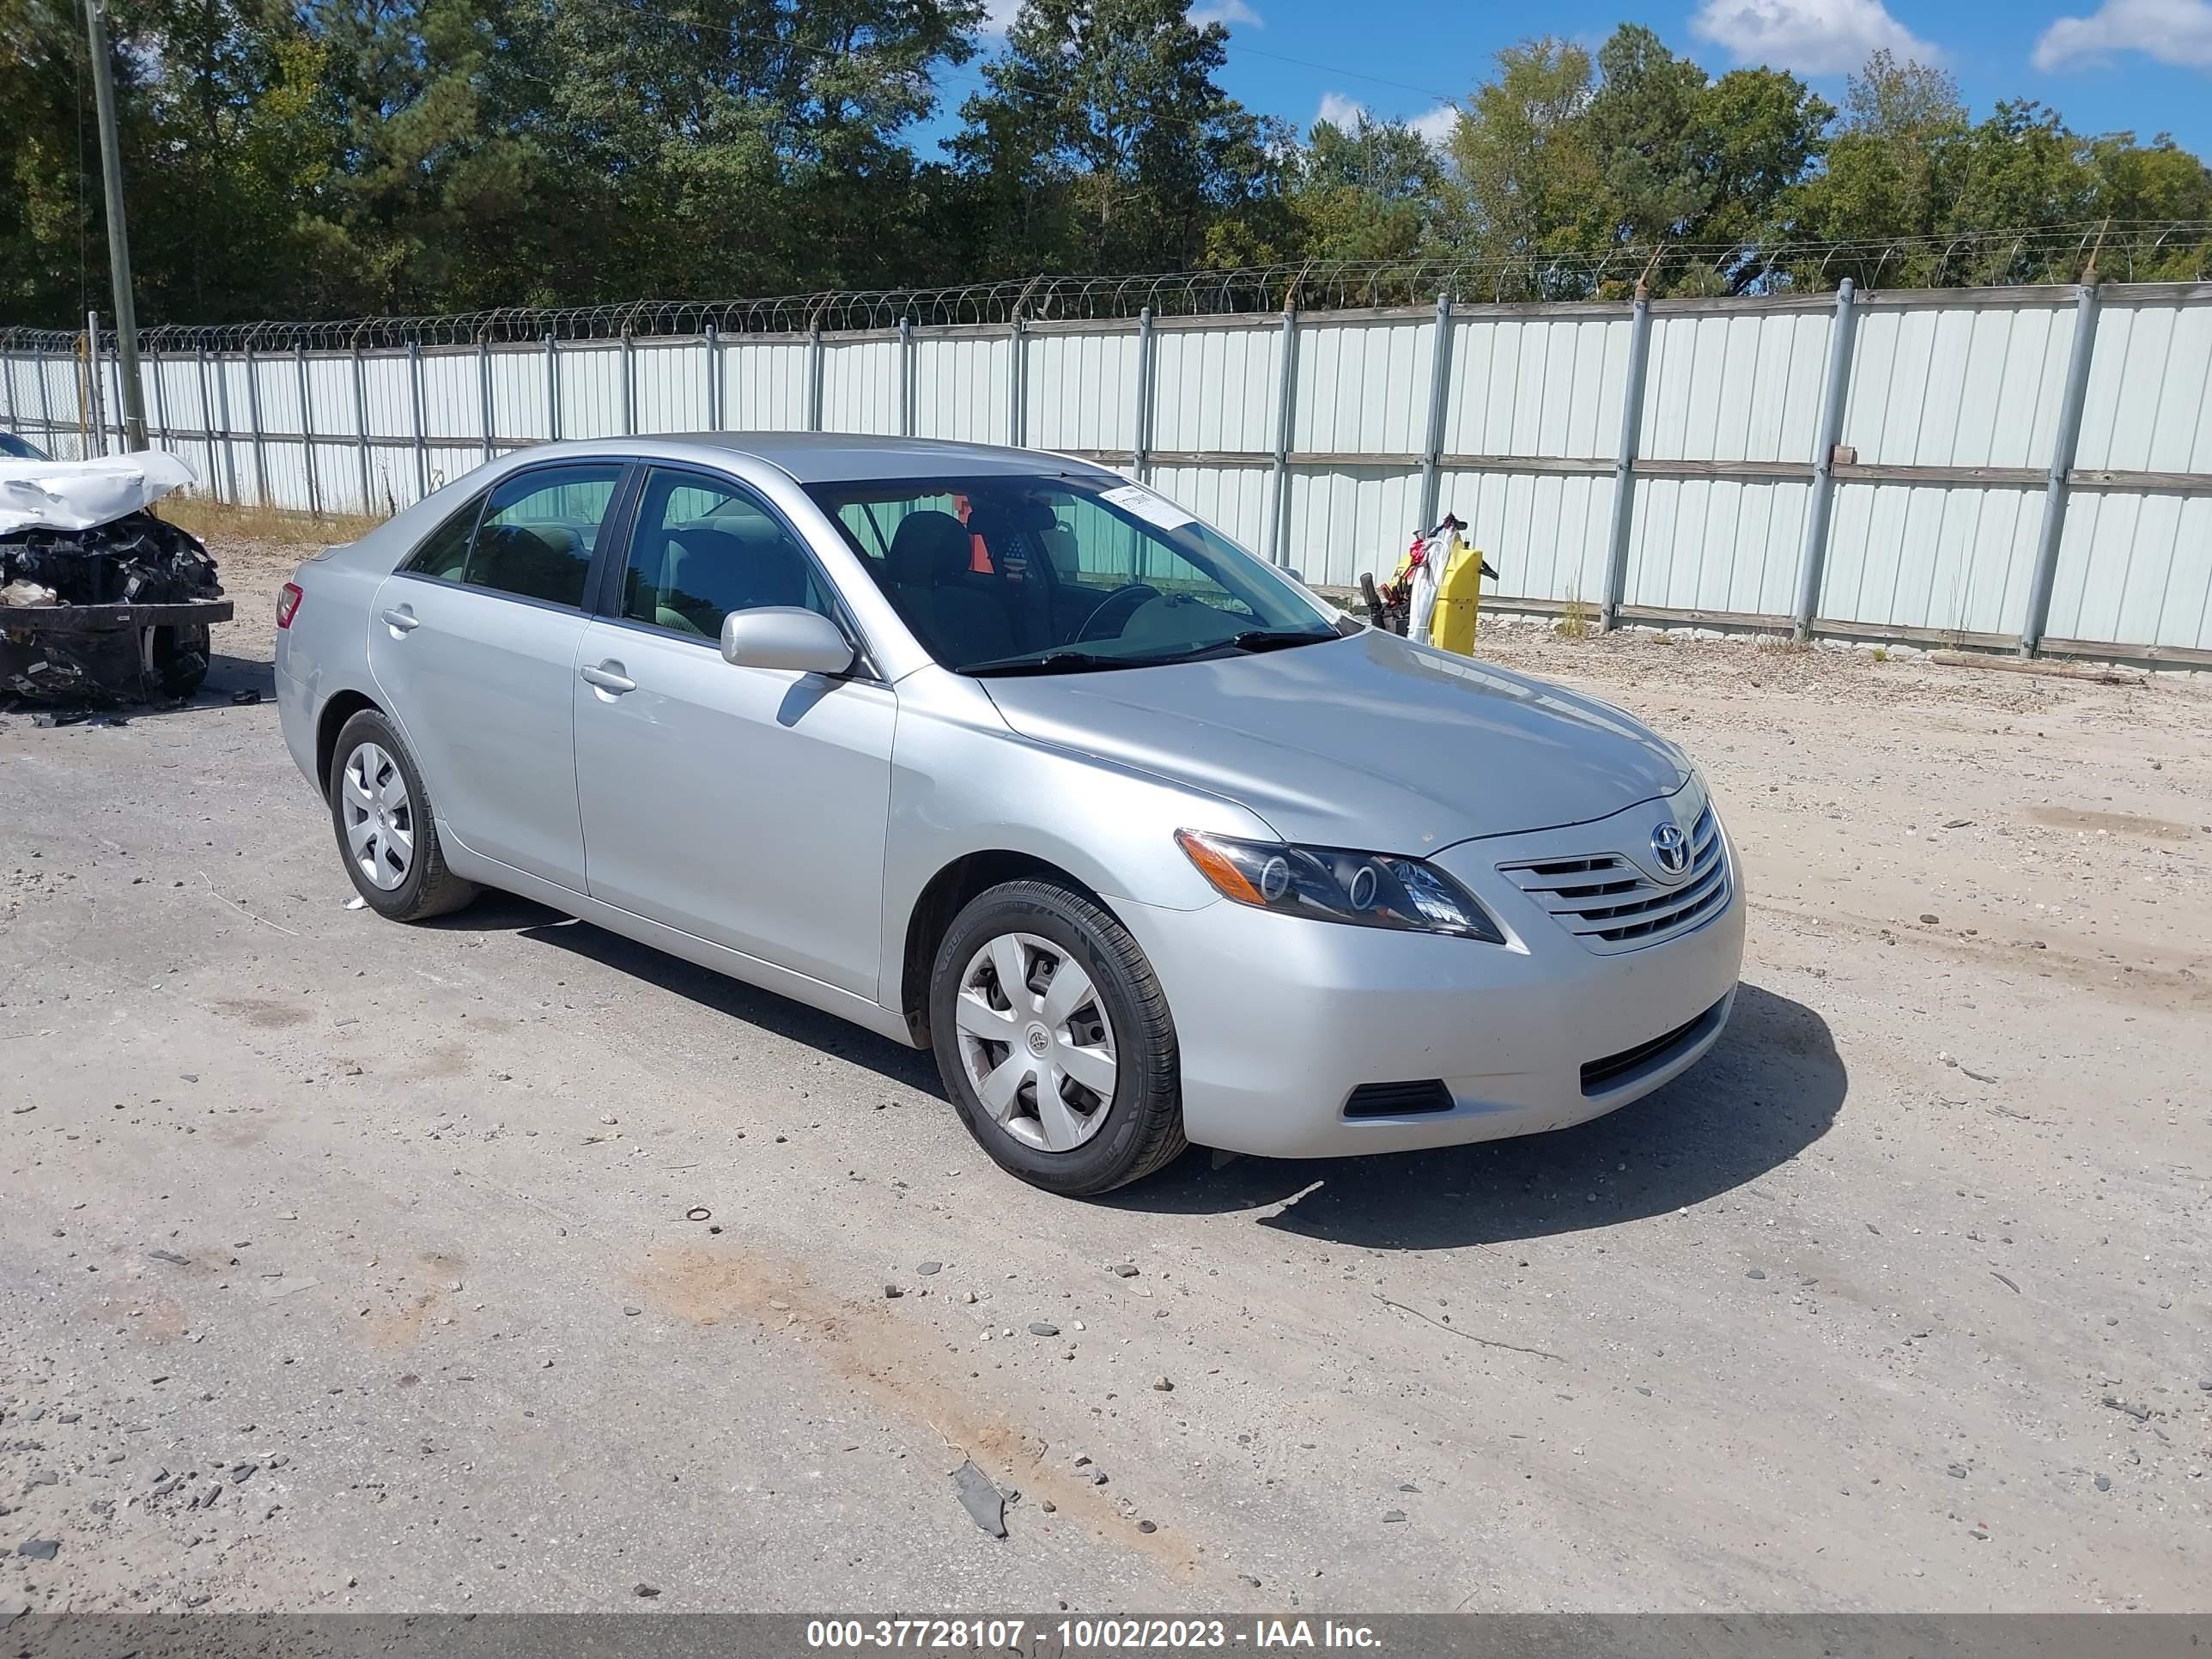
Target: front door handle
<point x="609" y="678"/>
<point x="402" y="620"/>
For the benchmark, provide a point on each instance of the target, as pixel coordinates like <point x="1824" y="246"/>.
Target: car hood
<point x="1363" y="742"/>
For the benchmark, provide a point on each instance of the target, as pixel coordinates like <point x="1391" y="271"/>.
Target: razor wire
<point x="2123" y="251"/>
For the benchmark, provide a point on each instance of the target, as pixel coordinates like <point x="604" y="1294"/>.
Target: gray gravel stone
<point x="1392" y="1516"/>
<point x="2104" y="1483"/>
<point x="985" y="1505"/>
<point x="926" y="1269"/>
<point x="1043" y="1328"/>
<point x="1756" y="1273"/>
<point x="39" y="1549"/>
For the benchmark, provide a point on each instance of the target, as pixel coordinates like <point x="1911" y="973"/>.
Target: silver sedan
<point x="998" y="754"/>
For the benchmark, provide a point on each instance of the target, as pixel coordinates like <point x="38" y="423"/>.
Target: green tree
<point x="1103" y="143"/>
<point x="1369" y="191"/>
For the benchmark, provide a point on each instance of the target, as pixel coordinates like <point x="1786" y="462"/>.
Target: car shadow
<point x="1771" y="1087"/>
<point x="542" y="924"/>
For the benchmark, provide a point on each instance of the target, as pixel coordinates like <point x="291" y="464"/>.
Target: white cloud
<point x="2172" y="31"/>
<point x="1814" y="37"/>
<point x="1228" y="12"/>
<point x="1436" y="127"/>
<point x="998" y="15"/>
<point x="1341" y="112"/>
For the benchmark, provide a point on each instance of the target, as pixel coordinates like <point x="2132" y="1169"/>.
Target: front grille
<point x="1599" y="1075"/>
<point x="1399" y="1099"/>
<point x="1610" y="905"/>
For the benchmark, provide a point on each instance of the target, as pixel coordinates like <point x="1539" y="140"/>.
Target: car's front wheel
<point x="1054" y="1042"/>
<point x="386" y="832"/>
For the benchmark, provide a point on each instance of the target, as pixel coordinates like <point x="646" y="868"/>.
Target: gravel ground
<point x="498" y="1263"/>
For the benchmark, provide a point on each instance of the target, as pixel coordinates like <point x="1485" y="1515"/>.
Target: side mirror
<point x="1295" y="575"/>
<point x="786" y="636"/>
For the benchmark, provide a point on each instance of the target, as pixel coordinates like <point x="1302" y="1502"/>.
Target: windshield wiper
<point x="1278" y="639"/>
<point x="1053" y="662"/>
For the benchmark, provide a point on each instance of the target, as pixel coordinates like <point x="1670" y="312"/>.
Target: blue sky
<point x="2107" y="65"/>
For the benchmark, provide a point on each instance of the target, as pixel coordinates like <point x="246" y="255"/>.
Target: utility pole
<point x="119" y="239"/>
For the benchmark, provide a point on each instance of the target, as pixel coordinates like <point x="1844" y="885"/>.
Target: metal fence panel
<point x="1740" y="385"/>
<point x="2149" y="405"/>
<point x="1537" y="385"/>
<point x="1083" y="391"/>
<point x="1340" y="517"/>
<point x="1958" y="387"/>
<point x="1362" y="387"/>
<point x="1958" y="496"/>
<point x="1545" y="533"/>
<point x="1949" y="560"/>
<point x="1716" y="545"/>
<point x="861" y="386"/>
<point x="1216" y="389"/>
<point x="2137" y="568"/>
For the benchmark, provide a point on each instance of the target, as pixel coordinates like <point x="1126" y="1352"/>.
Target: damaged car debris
<point x="100" y="602"/>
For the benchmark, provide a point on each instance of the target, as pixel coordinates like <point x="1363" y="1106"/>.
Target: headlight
<point x="1368" y="889"/>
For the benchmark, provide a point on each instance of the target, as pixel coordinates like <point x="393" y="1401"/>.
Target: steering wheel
<point x="1116" y="608"/>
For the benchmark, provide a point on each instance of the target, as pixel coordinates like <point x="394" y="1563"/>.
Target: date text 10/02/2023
<point x="1080" y="1635"/>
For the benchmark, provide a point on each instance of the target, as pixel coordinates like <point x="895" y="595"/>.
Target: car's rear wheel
<point x="387" y="831"/>
<point x="1054" y="1042"/>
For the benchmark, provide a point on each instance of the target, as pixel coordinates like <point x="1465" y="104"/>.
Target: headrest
<point x="928" y="547"/>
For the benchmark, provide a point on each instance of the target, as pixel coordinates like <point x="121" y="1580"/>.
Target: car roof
<point x="842" y="457"/>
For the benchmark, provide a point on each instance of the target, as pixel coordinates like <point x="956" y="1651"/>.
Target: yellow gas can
<point x="1459" y="596"/>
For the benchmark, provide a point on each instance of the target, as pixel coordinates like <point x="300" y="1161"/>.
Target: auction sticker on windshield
<point x="1152" y="509"/>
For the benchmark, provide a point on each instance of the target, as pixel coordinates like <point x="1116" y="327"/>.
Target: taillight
<point x="288" y="603"/>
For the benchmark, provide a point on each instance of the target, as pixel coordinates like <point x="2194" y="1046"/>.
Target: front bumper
<point x="1279" y="1019"/>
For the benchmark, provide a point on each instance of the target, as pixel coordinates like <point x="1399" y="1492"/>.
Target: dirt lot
<point x="343" y="1264"/>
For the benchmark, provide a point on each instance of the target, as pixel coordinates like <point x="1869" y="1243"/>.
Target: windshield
<point x="16" y="449"/>
<point x="1050" y="574"/>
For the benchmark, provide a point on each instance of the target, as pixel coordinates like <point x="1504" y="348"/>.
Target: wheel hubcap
<point x="1036" y="1042"/>
<point x="380" y="819"/>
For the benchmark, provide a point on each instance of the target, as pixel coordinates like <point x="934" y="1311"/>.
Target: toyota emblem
<point x="1671" y="848"/>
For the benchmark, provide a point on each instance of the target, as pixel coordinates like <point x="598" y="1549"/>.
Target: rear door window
<point x="539" y="528"/>
<point x="445" y="551"/>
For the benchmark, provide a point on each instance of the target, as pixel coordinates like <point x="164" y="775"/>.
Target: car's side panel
<point x="718" y="958"/>
<point x="480" y="684"/>
<point x="963" y="784"/>
<point x="744" y="805"/>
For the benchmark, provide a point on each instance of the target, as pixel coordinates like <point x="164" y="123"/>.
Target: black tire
<point x="1142" y="1131"/>
<point x="428" y="888"/>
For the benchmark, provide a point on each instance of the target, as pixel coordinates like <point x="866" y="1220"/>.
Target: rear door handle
<point x="609" y="678"/>
<point x="402" y="621"/>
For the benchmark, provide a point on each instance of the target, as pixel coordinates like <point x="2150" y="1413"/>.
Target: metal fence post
<point x="152" y="359"/>
<point x="92" y="419"/>
<point x="815" y="365"/>
<point x="422" y="421"/>
<point x="1624" y="463"/>
<point x="8" y="375"/>
<point x="552" y="387"/>
<point x="1819" y="509"/>
<point x="45" y="397"/>
<point x="714" y="379"/>
<point x="1140" y="438"/>
<point x="1286" y="383"/>
<point x="360" y="428"/>
<point x="630" y="383"/>
<point x="307" y="434"/>
<point x="2087" y="303"/>
<point x="1018" y="390"/>
<point x="906" y="377"/>
<point x="1440" y="366"/>
<point x="483" y="391"/>
<point x="207" y="415"/>
<point x="253" y="414"/>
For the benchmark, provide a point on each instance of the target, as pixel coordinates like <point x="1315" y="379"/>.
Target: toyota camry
<point x="999" y="754"/>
